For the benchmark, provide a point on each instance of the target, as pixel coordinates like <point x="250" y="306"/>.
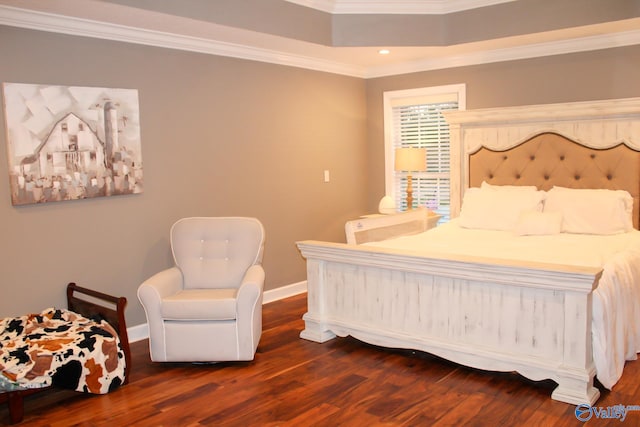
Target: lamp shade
<point x="411" y="159"/>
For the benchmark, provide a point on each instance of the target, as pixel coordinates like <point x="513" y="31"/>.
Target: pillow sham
<point x="497" y="210"/>
<point x="534" y="223"/>
<point x="591" y="211"/>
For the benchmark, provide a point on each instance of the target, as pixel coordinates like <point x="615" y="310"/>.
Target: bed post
<point x="456" y="159"/>
<point x="575" y="376"/>
<point x="315" y="329"/>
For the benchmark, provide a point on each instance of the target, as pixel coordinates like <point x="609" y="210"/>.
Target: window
<point x="413" y="118"/>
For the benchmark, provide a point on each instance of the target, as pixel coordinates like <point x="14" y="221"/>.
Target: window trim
<point x="393" y="97"/>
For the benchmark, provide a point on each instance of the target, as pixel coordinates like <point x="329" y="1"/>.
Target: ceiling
<point x="119" y="20"/>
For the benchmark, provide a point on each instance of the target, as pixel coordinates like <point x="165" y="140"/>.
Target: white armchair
<point x="208" y="307"/>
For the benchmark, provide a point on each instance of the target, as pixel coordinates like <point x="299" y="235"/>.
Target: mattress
<point x="616" y="300"/>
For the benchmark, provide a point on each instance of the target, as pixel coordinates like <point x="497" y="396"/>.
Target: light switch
<point x="326" y="176"/>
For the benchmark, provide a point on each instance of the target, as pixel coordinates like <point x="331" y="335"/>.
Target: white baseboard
<point x="138" y="332"/>
<point x="284" y="292"/>
<point x="141" y="332"/>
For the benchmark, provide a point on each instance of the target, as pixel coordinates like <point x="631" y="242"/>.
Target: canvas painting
<point x="69" y="143"/>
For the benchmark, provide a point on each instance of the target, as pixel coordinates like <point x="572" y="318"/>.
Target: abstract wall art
<point x="69" y="143"/>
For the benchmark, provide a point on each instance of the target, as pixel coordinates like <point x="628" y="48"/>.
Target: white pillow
<point x="497" y="210"/>
<point x="591" y="211"/>
<point x="486" y="186"/>
<point x="534" y="223"/>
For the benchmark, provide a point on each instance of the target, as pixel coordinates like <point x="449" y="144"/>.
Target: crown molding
<point x="34" y="20"/>
<point x="408" y="7"/>
<point x="583" y="44"/>
<point x="42" y="21"/>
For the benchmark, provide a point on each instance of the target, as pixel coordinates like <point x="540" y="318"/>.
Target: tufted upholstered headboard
<point x="578" y="145"/>
<point x="550" y="159"/>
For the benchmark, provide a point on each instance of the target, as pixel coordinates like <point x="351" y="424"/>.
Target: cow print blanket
<point x="60" y="347"/>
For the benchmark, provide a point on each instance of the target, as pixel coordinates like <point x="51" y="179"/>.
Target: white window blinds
<point x="417" y="121"/>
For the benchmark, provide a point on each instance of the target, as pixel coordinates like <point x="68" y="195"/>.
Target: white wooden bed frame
<point x="491" y="314"/>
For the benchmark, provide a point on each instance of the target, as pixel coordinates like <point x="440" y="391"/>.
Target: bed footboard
<point x="534" y="319"/>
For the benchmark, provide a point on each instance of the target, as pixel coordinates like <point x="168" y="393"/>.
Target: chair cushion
<point x="200" y="304"/>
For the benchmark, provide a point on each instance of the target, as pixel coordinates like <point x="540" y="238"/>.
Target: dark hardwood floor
<point x="294" y="382"/>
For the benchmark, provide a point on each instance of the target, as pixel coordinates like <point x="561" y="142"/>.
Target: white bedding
<point x="616" y="301"/>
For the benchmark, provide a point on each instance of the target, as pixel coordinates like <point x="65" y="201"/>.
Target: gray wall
<point x="220" y="136"/>
<point x="603" y="74"/>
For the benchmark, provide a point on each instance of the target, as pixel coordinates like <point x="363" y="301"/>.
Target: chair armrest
<point x="249" y="312"/>
<point x="150" y="294"/>
<point x="252" y="284"/>
<point x="160" y="285"/>
<point x="155" y="288"/>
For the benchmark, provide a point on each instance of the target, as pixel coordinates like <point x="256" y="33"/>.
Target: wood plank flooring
<point x="294" y="382"/>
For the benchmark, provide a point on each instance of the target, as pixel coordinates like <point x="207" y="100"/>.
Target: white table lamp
<point x="410" y="159"/>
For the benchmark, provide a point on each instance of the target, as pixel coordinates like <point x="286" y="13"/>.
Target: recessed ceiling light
<point x="384" y="51"/>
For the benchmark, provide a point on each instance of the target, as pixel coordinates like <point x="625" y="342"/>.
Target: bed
<point x="83" y="348"/>
<point x="497" y="313"/>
